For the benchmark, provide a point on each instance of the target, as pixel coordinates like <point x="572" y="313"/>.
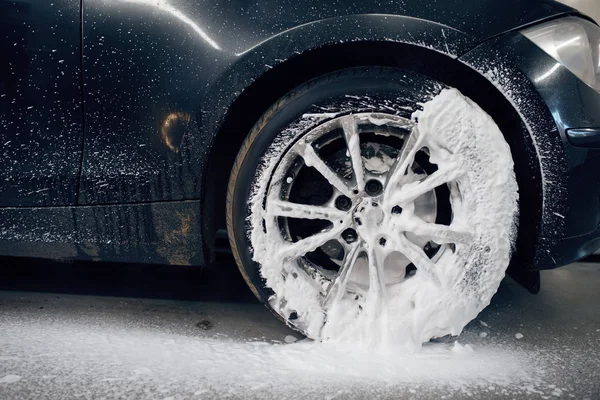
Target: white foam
<point x="464" y="141"/>
<point x="86" y="355"/>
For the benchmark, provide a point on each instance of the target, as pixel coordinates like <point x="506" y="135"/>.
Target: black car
<point x="349" y="151"/>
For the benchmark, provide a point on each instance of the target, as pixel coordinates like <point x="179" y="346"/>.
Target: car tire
<point x="291" y="152"/>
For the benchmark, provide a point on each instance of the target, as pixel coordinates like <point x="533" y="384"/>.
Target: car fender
<point x="256" y="61"/>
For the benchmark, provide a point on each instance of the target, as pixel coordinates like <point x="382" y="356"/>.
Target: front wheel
<point x="375" y="205"/>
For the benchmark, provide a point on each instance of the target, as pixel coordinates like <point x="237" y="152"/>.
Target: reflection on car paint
<point x="165" y="6"/>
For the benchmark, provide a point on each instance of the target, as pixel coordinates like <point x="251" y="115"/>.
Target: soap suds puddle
<point x="73" y="346"/>
<point x="121" y="359"/>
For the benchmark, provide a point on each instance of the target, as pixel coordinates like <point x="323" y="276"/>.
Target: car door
<point x="145" y="69"/>
<point x="40" y="102"/>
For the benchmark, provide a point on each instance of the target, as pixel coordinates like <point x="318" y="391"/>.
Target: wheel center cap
<point x="368" y="217"/>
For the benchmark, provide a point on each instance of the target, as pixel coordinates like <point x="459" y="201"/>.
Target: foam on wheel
<point x="353" y="214"/>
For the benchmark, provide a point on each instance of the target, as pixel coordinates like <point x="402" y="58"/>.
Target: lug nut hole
<point x="396" y="210"/>
<point x="343" y="203"/>
<point x="373" y="187"/>
<point x="350" y="235"/>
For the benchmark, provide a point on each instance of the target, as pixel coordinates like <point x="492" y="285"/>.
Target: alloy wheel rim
<point x="372" y="216"/>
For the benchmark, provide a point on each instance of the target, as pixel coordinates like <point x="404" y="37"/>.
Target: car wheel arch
<point x="246" y="109"/>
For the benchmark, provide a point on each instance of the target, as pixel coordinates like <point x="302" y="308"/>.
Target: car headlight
<point x="573" y="42"/>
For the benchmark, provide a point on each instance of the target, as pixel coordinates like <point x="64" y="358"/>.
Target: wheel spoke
<point x="280" y="208"/>
<point x="376" y="278"/>
<point x="411" y="191"/>
<point x="418" y="257"/>
<point x="311" y="243"/>
<point x="353" y="144"/>
<point x="440" y="234"/>
<point x="312" y="159"/>
<point x="338" y="287"/>
<point x="407" y="155"/>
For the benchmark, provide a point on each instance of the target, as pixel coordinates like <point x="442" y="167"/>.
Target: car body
<point x="120" y="119"/>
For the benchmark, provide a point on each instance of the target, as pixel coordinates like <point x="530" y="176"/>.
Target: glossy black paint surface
<point x="40" y="102"/>
<point x="149" y="64"/>
<point x="156" y="233"/>
<point x="573" y="104"/>
<point x="160" y="79"/>
<point x="144" y="73"/>
<point x="570" y="222"/>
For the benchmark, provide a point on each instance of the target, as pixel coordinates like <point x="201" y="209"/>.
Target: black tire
<point x="389" y="90"/>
